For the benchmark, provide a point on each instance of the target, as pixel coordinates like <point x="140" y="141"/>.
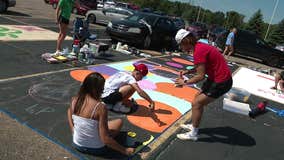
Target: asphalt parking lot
<point x="235" y="136"/>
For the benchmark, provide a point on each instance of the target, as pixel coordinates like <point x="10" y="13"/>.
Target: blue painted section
<point x="180" y="104"/>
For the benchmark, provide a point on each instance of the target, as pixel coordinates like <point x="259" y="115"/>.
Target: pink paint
<point x="173" y="64"/>
<point x="145" y="84"/>
<point x="265" y="77"/>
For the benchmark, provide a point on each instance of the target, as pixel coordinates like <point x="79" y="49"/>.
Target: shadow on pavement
<point x="13" y="13"/>
<point x="227" y="135"/>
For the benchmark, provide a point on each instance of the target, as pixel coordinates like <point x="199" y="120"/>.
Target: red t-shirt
<point x="215" y="64"/>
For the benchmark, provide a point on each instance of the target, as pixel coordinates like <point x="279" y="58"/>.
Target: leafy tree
<point x="277" y="34"/>
<point x="256" y="24"/>
<point x="233" y="19"/>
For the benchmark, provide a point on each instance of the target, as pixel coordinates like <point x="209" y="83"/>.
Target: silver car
<point x="106" y="15"/>
<point x="4" y="4"/>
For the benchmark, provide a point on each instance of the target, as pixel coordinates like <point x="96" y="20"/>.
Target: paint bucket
<point x="236" y="107"/>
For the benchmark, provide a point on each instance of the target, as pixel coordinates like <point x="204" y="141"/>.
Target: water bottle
<point x="81" y="56"/>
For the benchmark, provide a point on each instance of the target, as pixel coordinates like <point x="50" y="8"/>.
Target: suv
<point x="248" y="44"/>
<point x="144" y="29"/>
<point x="4" y="4"/>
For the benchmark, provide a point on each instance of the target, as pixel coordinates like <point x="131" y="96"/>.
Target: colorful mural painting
<point x="26" y="33"/>
<point x="171" y="102"/>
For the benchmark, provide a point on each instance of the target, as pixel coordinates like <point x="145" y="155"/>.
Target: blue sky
<point x="245" y="7"/>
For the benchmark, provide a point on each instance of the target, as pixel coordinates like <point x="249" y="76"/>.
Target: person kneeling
<point x="122" y="85"/>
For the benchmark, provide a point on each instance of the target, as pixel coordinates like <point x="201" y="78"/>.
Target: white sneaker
<point x="57" y="53"/>
<point x="187" y="127"/>
<point x="119" y="107"/>
<point x="187" y="136"/>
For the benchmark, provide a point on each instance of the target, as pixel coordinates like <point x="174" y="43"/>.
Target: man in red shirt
<point x="207" y="60"/>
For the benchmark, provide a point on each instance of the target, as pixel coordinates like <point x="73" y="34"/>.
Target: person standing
<point x="229" y="48"/>
<point x="63" y="14"/>
<point x="88" y="120"/>
<point x="122" y="85"/>
<point x="207" y="60"/>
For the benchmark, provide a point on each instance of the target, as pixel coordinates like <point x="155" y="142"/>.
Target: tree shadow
<point x="13" y="13"/>
<point x="227" y="135"/>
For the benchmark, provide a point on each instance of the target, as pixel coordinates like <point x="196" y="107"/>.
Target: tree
<point x="233" y="19"/>
<point x="256" y="23"/>
<point x="277" y="34"/>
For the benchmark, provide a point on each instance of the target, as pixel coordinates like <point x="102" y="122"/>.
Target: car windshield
<point x="138" y="17"/>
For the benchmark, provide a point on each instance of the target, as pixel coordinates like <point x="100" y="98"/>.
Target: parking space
<point x="34" y="96"/>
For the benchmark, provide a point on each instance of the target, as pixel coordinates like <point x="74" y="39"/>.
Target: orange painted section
<point x="156" y="121"/>
<point x="186" y="93"/>
<point x="80" y="75"/>
<point x="179" y="60"/>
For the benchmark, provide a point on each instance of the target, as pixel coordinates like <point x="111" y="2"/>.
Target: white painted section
<point x="257" y="83"/>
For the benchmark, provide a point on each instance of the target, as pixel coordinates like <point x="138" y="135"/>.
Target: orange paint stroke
<point x="183" y="61"/>
<point x="80" y="75"/>
<point x="186" y="93"/>
<point x="156" y="121"/>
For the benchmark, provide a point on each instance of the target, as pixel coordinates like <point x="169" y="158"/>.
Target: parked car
<point x="126" y="5"/>
<point x="248" y="44"/>
<point x="106" y="15"/>
<point x="144" y="29"/>
<point x="109" y="4"/>
<point x="100" y="4"/>
<point x="85" y="5"/>
<point x="200" y="29"/>
<point x="280" y="47"/>
<point x="4" y="4"/>
<point x="179" y="22"/>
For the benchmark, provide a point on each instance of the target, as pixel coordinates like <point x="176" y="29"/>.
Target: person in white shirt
<point x="88" y="120"/>
<point x="122" y="85"/>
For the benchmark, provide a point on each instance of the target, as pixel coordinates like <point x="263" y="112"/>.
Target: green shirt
<point x="66" y="7"/>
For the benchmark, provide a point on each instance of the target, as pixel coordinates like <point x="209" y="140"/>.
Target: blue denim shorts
<point x="93" y="151"/>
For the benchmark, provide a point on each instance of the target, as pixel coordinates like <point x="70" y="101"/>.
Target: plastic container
<point x="238" y="94"/>
<point x="94" y="48"/>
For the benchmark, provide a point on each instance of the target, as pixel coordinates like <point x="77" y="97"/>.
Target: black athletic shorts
<point x="113" y="98"/>
<point x="61" y="19"/>
<point x="216" y="90"/>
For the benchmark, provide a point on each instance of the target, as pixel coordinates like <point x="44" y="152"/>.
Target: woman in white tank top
<point x="88" y="121"/>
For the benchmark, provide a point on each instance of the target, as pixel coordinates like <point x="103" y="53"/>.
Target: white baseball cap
<point x="181" y="34"/>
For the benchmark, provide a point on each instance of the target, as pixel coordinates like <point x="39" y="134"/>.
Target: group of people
<point x="88" y="112"/>
<point x="93" y="133"/>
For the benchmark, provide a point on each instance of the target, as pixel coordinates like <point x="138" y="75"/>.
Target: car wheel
<point x="3" y="6"/>
<point x="54" y="5"/>
<point x="75" y="11"/>
<point x="147" y="42"/>
<point x="273" y="61"/>
<point x="92" y="18"/>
